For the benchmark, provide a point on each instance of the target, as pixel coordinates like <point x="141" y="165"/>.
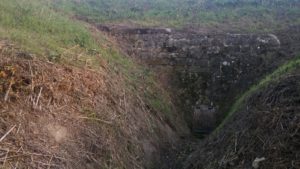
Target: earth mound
<point x="59" y="116"/>
<point x="264" y="134"/>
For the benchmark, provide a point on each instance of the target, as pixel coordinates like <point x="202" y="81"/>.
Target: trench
<point x="208" y="71"/>
<point x="205" y="72"/>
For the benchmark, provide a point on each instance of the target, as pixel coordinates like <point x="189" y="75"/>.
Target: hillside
<point x="264" y="127"/>
<point x="139" y="84"/>
<point x="70" y="99"/>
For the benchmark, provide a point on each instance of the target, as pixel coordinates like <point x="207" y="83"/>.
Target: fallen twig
<point x="16" y="166"/>
<point x="5" y="158"/>
<point x="7" y="133"/>
<point x="38" y="97"/>
<point x="8" y="90"/>
<point x="49" y="163"/>
<point x="31" y="75"/>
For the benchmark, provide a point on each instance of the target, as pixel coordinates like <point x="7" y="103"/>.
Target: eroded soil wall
<point x="208" y="71"/>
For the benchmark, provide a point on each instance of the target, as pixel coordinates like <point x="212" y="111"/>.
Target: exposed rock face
<point x="212" y="69"/>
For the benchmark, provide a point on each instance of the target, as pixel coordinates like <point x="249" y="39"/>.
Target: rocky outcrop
<point x="211" y="69"/>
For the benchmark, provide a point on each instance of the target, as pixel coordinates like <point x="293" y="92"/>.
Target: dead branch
<point x="7" y="133"/>
<point x="8" y="90"/>
<point x="38" y="97"/>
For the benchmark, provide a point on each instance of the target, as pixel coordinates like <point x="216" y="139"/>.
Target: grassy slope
<point x="262" y="123"/>
<point x="251" y="16"/>
<point x="279" y="72"/>
<point x="40" y="30"/>
<point x="37" y="28"/>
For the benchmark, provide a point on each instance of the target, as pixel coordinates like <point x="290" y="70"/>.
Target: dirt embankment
<point x="264" y="133"/>
<point x="216" y="68"/>
<point x="58" y="116"/>
<point x="206" y="72"/>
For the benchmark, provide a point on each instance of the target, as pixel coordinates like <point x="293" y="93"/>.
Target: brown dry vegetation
<point x="267" y="126"/>
<point x="59" y="116"/>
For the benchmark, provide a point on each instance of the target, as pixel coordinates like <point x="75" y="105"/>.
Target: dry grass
<point x="265" y="127"/>
<point x="58" y="116"/>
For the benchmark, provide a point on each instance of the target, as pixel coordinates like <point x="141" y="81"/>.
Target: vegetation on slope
<point x="254" y="15"/>
<point x="67" y="77"/>
<point x="273" y="77"/>
<point x="38" y="29"/>
<point x="88" y="84"/>
<point x="263" y="133"/>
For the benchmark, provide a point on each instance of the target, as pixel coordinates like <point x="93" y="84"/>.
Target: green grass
<point x="177" y="13"/>
<point x="38" y="29"/>
<point x="158" y="101"/>
<point x="140" y="78"/>
<point x="273" y="77"/>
